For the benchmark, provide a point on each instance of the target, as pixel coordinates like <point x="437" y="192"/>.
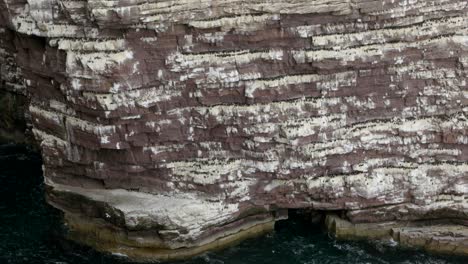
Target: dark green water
<point x="30" y="232"/>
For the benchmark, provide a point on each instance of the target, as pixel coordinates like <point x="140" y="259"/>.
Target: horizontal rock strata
<point x="444" y="237"/>
<point x="187" y="122"/>
<point x="15" y="125"/>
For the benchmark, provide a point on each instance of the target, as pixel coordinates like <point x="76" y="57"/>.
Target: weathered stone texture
<point x="182" y="119"/>
<point x="15" y="125"/>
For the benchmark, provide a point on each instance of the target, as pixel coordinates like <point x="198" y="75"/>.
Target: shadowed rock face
<point x="172" y="127"/>
<point x="14" y="118"/>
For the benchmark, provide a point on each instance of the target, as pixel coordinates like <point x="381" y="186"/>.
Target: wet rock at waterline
<point x="176" y="127"/>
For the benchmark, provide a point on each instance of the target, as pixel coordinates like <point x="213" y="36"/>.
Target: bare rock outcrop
<point x="15" y="125"/>
<point x="169" y="128"/>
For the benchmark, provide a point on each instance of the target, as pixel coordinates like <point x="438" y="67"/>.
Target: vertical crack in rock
<point x="169" y="128"/>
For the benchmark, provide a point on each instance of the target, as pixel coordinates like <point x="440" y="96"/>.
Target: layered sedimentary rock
<point x="168" y="128"/>
<point x="14" y="120"/>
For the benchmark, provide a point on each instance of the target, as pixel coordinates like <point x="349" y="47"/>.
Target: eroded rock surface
<point x="15" y="125"/>
<point x="177" y="124"/>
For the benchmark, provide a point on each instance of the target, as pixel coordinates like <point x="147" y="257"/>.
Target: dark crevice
<point x="308" y="220"/>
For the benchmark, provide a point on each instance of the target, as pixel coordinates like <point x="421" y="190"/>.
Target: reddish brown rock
<point x="189" y="122"/>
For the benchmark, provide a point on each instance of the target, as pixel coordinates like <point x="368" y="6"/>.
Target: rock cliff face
<point x="168" y="128"/>
<point x="14" y="120"/>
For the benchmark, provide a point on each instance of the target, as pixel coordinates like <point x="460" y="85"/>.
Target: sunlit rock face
<point x="168" y="128"/>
